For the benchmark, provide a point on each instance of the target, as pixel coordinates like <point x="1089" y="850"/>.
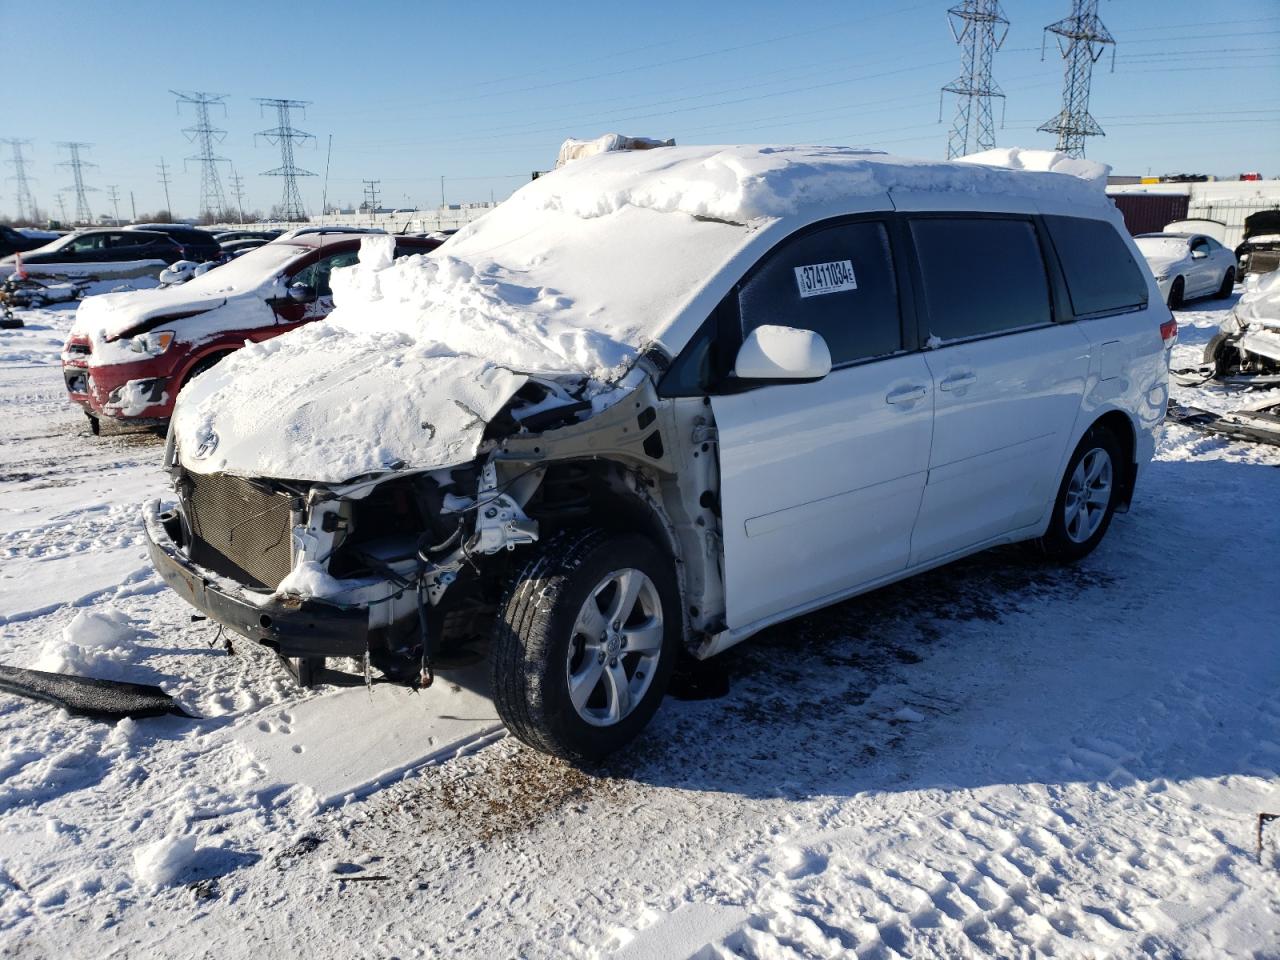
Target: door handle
<point x="957" y="381"/>
<point x="906" y="395"/>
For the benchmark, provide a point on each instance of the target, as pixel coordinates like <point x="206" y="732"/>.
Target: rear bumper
<point x="306" y="628"/>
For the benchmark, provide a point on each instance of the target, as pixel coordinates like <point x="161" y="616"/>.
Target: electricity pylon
<point x="1081" y="39"/>
<point x="979" y="26"/>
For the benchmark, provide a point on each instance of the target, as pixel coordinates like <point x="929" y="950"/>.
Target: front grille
<point x="239" y="529"/>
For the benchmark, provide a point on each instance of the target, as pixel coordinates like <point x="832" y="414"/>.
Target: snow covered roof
<point x="577" y="273"/>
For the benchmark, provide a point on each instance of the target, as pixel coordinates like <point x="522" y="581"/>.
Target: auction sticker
<point x="816" y="279"/>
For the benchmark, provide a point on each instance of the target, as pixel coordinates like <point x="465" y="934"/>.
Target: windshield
<point x="1162" y="246"/>
<point x="60" y="244"/>
<point x="248" y="271"/>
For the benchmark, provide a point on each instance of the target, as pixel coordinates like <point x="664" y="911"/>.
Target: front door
<point x="821" y="482"/>
<point x="1009" y="381"/>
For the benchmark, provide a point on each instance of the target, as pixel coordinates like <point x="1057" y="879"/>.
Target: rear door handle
<point x="906" y="395"/>
<point x="957" y="381"/>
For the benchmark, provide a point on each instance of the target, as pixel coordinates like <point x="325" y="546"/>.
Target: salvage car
<point x="1188" y="265"/>
<point x="1245" y="352"/>
<point x="14" y="241"/>
<point x="199" y="245"/>
<point x="129" y="354"/>
<point x="1259" y="252"/>
<point x="656" y="402"/>
<point x="116" y="252"/>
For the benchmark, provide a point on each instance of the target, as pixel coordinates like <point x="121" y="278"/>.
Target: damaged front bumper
<point x="292" y="628"/>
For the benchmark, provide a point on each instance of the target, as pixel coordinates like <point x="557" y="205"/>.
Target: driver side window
<point x="87" y="244"/>
<point x="317" y="274"/>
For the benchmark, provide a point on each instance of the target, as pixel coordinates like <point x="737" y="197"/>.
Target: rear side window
<point x="837" y="281"/>
<point x="981" y="276"/>
<point x="1101" y="274"/>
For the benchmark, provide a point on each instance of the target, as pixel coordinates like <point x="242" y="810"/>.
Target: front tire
<point x="1086" y="499"/>
<point x="584" y="643"/>
<point x="1175" y="293"/>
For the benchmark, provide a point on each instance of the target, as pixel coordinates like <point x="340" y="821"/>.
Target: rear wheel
<point x="1228" y="283"/>
<point x="584" y="643"/>
<point x="1086" y="499"/>
<point x="1175" y="293"/>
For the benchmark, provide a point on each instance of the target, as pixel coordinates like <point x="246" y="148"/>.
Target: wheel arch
<point x="215" y="353"/>
<point x="1121" y="426"/>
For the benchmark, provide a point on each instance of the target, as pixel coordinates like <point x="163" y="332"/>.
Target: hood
<point x="1159" y="264"/>
<point x="110" y="316"/>
<point x="322" y="405"/>
<point x="1261" y="223"/>
<point x="113" y="315"/>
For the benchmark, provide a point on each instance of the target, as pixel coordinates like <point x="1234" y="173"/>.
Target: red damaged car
<point x="129" y="354"/>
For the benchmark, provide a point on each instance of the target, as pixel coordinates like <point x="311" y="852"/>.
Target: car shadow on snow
<point x="999" y="669"/>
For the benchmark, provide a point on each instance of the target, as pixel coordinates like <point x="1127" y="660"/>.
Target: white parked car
<point x="1188" y="265"/>
<point x="662" y="400"/>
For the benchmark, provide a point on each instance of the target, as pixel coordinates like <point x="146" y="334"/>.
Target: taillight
<point x="1169" y="332"/>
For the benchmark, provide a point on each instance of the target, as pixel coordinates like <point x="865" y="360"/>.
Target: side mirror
<point x="1198" y="254"/>
<point x="782" y="353"/>
<point x="301" y="293"/>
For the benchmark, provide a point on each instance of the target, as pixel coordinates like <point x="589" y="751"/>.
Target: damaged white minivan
<point x="658" y="401"/>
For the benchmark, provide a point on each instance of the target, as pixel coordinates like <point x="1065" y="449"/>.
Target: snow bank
<point x="95" y="644"/>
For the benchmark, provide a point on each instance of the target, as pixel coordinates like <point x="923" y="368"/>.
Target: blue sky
<point x="482" y="94"/>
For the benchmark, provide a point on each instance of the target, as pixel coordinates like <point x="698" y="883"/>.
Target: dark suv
<point x="196" y="244"/>
<point x="116" y="245"/>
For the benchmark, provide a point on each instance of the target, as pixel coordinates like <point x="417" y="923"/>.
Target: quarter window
<point x="838" y="281"/>
<point x="981" y="276"/>
<point x="1101" y="274"/>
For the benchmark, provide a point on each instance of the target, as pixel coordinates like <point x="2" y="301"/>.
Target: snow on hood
<point x="578" y="272"/>
<point x="108" y="316"/>
<point x="1042" y="161"/>
<point x="1261" y="303"/>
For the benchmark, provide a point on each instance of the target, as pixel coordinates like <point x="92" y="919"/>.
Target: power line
<point x="1081" y="39"/>
<point x="77" y="165"/>
<point x="284" y="135"/>
<point x="237" y="191"/>
<point x="164" y="179"/>
<point x="205" y="135"/>
<point x="22" y="192"/>
<point x="371" y="195"/>
<point x="981" y="31"/>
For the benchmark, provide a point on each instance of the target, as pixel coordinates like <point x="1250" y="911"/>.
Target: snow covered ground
<point x="993" y="759"/>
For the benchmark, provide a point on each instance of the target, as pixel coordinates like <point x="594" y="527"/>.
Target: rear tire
<point x="584" y="643"/>
<point x="1175" y="294"/>
<point x="1228" y="283"/>
<point x="1087" y="498"/>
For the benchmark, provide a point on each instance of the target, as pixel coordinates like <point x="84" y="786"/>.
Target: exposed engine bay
<point x="423" y="557"/>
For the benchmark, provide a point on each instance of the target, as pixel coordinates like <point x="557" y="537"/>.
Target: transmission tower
<point x="114" y="196"/>
<point x="371" y="195"/>
<point x="1081" y="39"/>
<point x="62" y="205"/>
<point x="979" y="26"/>
<point x="77" y="165"/>
<point x="205" y="135"/>
<point x="237" y="191"/>
<point x="284" y="135"/>
<point x="164" y="179"/>
<point x="22" y="195"/>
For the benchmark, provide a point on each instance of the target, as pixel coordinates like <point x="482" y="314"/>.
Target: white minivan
<point x="658" y="401"/>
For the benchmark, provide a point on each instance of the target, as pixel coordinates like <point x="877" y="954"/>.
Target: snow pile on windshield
<point x="1162" y="246"/>
<point x="745" y="183"/>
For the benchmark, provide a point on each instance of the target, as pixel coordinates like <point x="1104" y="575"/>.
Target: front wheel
<point x="1086" y="499"/>
<point x="584" y="643"/>
<point x="1175" y="293"/>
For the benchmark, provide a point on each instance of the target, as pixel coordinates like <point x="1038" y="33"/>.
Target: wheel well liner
<point x="1121" y="427"/>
